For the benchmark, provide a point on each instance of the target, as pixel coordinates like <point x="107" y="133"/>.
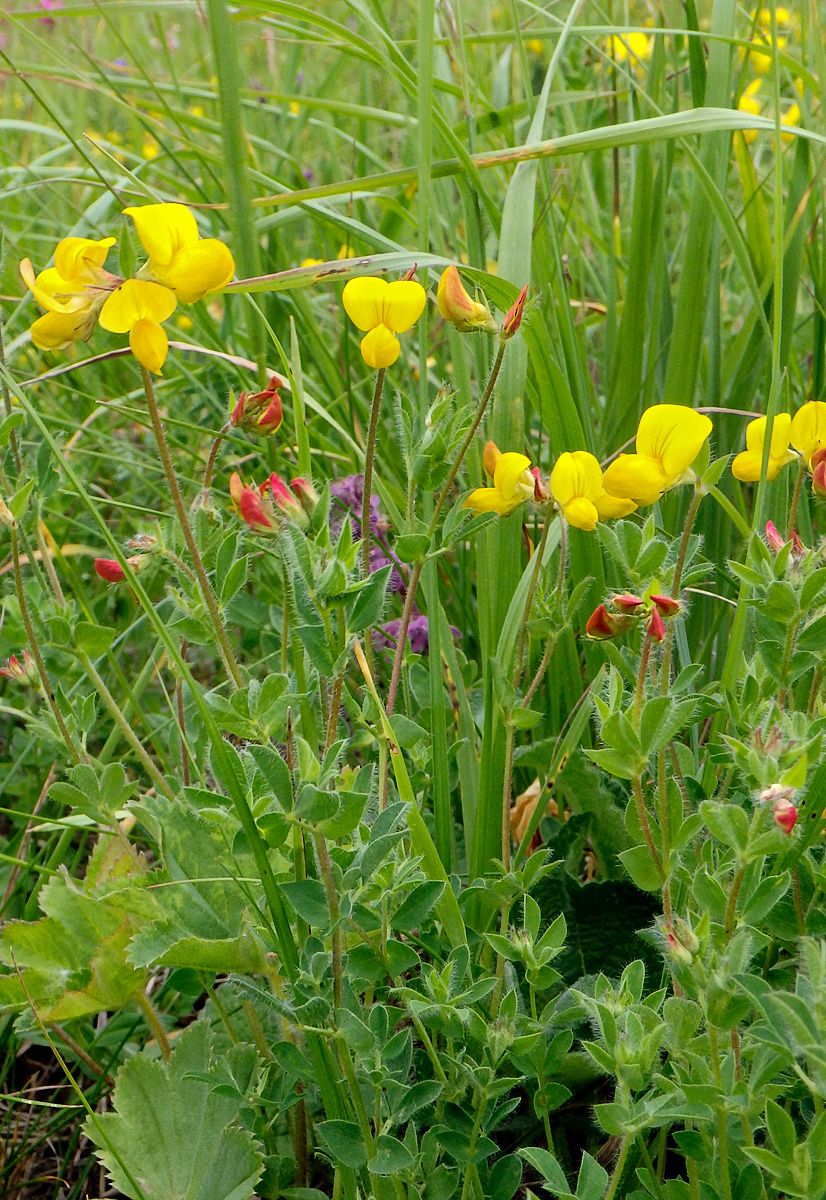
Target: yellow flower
<point x="791" y="117"/>
<point x="535" y="45"/>
<point x="782" y="14"/>
<point x="761" y="56"/>
<point x="513" y="483"/>
<point x="71" y="291"/>
<point x="294" y="108"/>
<point x="179" y="257"/>
<point x="456" y="305"/>
<point x="635" y="46"/>
<point x="747" y="465"/>
<point x="184" y="323"/>
<point x="748" y="104"/>
<point x="669" y="438"/>
<point x="344" y="252"/>
<point x="311" y="262"/>
<point x="138" y="307"/>
<point x="195" y="110"/>
<point x="808" y="429"/>
<point x="381" y="310"/>
<point x="577" y="487"/>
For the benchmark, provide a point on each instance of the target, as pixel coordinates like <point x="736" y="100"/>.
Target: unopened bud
<point x="666" y="605"/>
<point x="627" y="604"/>
<point x="785" y="814"/>
<point x="143" y="541"/>
<point x="818" y="465"/>
<point x="490" y="457"/>
<point x="260" y="412"/>
<point x="540" y="490"/>
<point x="111" y="570"/>
<point x="6" y="515"/>
<point x="656" y="626"/>
<point x="456" y="305"/>
<point x="306" y="493"/>
<point x="603" y="624"/>
<point x="249" y="504"/>
<point x="513" y="317"/>
<point x="773" y="537"/>
<point x="681" y="955"/>
<point x="285" y="500"/>
<point x="24" y="672"/>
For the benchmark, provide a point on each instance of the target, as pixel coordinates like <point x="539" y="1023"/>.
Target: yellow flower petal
<point x="56" y="329"/>
<point x="379" y="348"/>
<point x="136" y="300"/>
<point x="488" y="499"/>
<point x="370" y="301"/>
<point x="636" y="477"/>
<point x="781" y="434"/>
<point x="512" y="477"/>
<point x="195" y="270"/>
<point x="576" y="474"/>
<point x="164" y="229"/>
<point x="148" y="343"/>
<point x="673" y="434"/>
<point x="808" y="429"/>
<point x="53" y="292"/>
<point x="77" y="257"/>
<point x="405" y="304"/>
<point x="611" y="507"/>
<point x="581" y="513"/>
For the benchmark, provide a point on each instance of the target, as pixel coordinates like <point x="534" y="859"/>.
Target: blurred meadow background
<point x="652" y="171"/>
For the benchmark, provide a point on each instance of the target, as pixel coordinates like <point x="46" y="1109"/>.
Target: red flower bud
<point x="259" y="412"/>
<point x="111" y="570"/>
<point x="513" y="317"/>
<point x="604" y="624"/>
<point x="627" y="604"/>
<point x="775" y="541"/>
<point x="540" y="491"/>
<point x="306" y="493"/>
<point x="818" y="465"/>
<point x="785" y="814"/>
<point x="21" y="672"/>
<point x="681" y="954"/>
<point x="656" y="626"/>
<point x="666" y="606"/>
<point x="251" y="507"/>
<point x="285" y="500"/>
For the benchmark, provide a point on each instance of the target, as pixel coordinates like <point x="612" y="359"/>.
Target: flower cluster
<point x="78" y="291"/>
<point x="628" y="611"/>
<point x="805" y="432"/>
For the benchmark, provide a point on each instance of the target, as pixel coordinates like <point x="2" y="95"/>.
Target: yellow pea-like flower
<point x="456" y="305"/>
<point x="749" y="103"/>
<point x="72" y="291"/>
<point x="381" y="310"/>
<point x="576" y="484"/>
<point x="513" y="483"/>
<point x="747" y="465"/>
<point x="808" y="429"/>
<point x="138" y="307"/>
<point x="179" y="258"/>
<point x="56" y="330"/>
<point x="669" y="438"/>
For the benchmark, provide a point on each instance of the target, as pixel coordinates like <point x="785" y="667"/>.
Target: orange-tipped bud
<point x="681" y="954"/>
<point x="456" y="305"/>
<point x="628" y="604"/>
<point x="785" y="814"/>
<point x="286" y="502"/>
<point x="513" y="317"/>
<point x="656" y="626"/>
<point x="260" y="412"/>
<point x="667" y="606"/>
<point x="773" y="537"/>
<point x="490" y="457"/>
<point x="251" y="507"/>
<point x="603" y="624"/>
<point x="24" y="672"/>
<point x="818" y="465"/>
<point x="540" y="490"/>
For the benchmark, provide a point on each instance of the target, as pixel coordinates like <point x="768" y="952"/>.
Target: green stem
<point x="332" y="901"/>
<point x="636" y="785"/>
<point x="4" y="387"/>
<point x="153" y="1020"/>
<point x="213" y="454"/>
<point x="523" y="628"/>
<point x="665" y="671"/>
<point x="177" y="500"/>
<point x="474" y="1138"/>
<point x="801" y="471"/>
<point x="35" y="648"/>
<point x="619" y="1167"/>
<point x="540" y="1072"/>
<point x="122" y="723"/>
<point x="369" y="456"/>
<point x="722" y="1119"/>
<point x="640" y="692"/>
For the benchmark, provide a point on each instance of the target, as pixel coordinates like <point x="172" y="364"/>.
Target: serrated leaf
<point x="172" y="1136"/>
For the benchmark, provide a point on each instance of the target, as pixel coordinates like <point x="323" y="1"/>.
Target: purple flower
<point x="418" y="634"/>
<point x="349" y="493"/>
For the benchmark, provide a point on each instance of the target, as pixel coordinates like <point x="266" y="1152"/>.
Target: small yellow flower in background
<point x="535" y="45"/>
<point x="749" y="104"/>
<point x="71" y="291"/>
<point x="195" y="110"/>
<point x="456" y="305"/>
<point x="634" y="46"/>
<point x="669" y="438"/>
<point x="761" y="54"/>
<point x="295" y="107"/>
<point x="344" y="252"/>
<point x="747" y="465"/>
<point x="577" y="487"/>
<point x="808" y="429"/>
<point x="381" y="310"/>
<point x="150" y="148"/>
<point x="311" y="262"/>
<point x="138" y="307"/>
<point x="513" y="483"/>
<point x="782" y="14"/>
<point x="184" y="323"/>
<point x="179" y="257"/>
<point x="790" y="117"/>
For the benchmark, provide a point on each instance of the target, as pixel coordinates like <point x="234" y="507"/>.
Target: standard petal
<point x="195" y="270"/>
<point x="581" y="513"/>
<point x="673" y="434"/>
<point x="379" y="348"/>
<point x="136" y="300"/>
<point x="164" y="229"/>
<point x="363" y="301"/>
<point x="576" y="474"/>
<point x="56" y="330"/>
<point x="808" y="431"/>
<point x="149" y="344"/>
<point x="636" y="477"/>
<point x="77" y="257"/>
<point x="404" y="304"/>
<point x="508" y="476"/>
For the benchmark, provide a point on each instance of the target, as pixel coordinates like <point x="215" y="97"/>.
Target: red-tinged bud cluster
<point x="785" y="814"/>
<point x="776" y="541"/>
<point x="818" y="465"/>
<point x="260" y="412"/>
<point x="111" y="570"/>
<point x="513" y="317"/>
<point x="540" y="491"/>
<point x="681" y="954"/>
<point x="626" y="611"/>
<point x="24" y="672"/>
<point x="266" y="507"/>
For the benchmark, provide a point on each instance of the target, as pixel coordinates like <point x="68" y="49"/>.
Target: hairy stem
<point x="153" y="1020"/>
<point x="177" y="500"/>
<point x="369" y="456"/>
